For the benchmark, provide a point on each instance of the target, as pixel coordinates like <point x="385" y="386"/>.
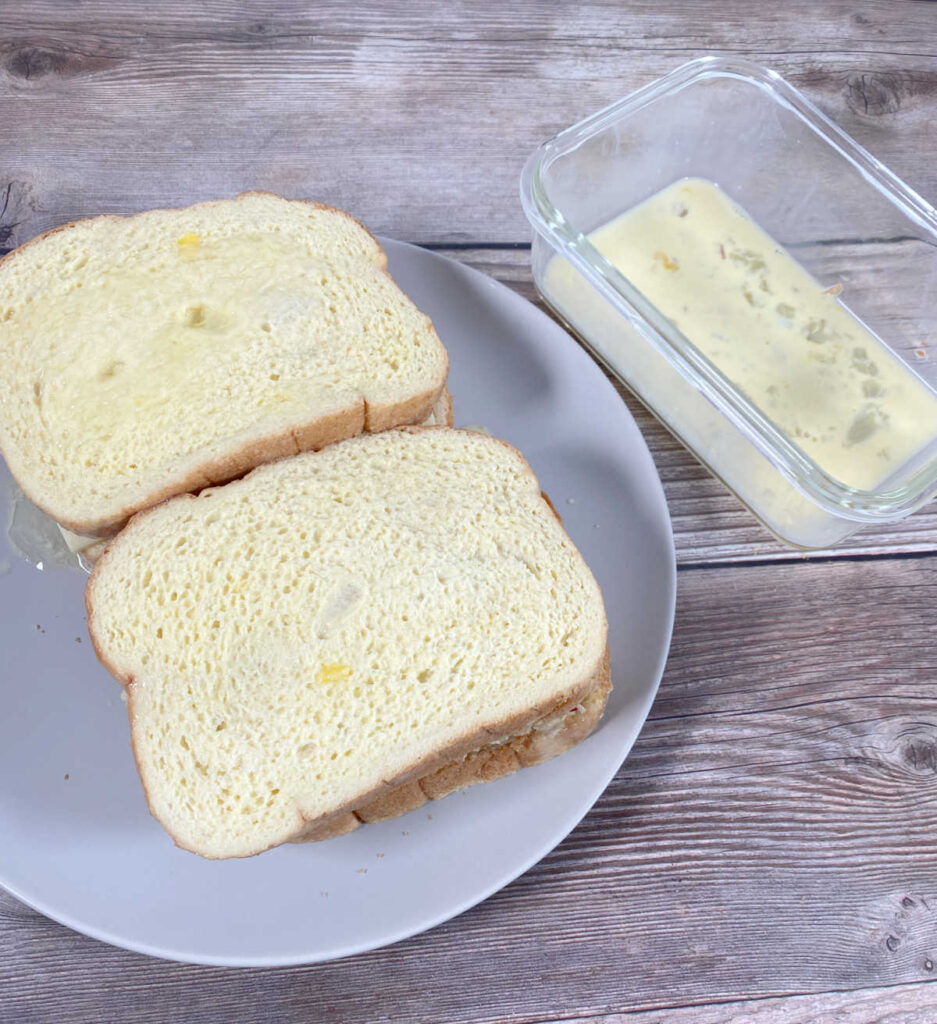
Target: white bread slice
<point x="147" y="356"/>
<point x="91" y="548"/>
<point x="298" y="643"/>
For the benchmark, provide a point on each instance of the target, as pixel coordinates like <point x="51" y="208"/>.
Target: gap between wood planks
<point x="803" y="557"/>
<point x="886" y="999"/>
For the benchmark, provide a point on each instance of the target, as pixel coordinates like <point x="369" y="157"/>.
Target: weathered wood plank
<point x="414" y="118"/>
<point x="710" y="525"/>
<point x="773" y="832"/>
<point x="903" y="1004"/>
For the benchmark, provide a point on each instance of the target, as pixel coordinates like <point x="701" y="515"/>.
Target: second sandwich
<point x="342" y="634"/>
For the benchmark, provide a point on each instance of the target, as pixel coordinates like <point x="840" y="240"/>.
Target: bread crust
<point x="360" y="417"/>
<point x="482" y="756"/>
<point x="573" y="721"/>
<point x="442" y="410"/>
<point x="441" y="413"/>
<point x="345" y="817"/>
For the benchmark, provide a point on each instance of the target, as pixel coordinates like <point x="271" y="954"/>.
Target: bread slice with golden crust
<point x="302" y="643"/>
<point x="147" y="356"/>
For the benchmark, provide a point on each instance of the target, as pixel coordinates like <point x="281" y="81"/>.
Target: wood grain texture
<point x="416" y="118"/>
<point x="903" y="1004"/>
<point x="773" y="832"/>
<point x="772" y="836"/>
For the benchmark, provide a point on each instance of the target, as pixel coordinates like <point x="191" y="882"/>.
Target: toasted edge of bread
<point x="91" y="548"/>
<point x="549" y="736"/>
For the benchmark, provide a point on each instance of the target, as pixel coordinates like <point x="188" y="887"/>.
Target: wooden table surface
<point x="768" y="852"/>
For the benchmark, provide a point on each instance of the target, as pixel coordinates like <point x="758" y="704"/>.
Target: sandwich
<point x="344" y="634"/>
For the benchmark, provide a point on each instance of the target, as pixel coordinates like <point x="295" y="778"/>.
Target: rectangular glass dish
<point x="853" y="226"/>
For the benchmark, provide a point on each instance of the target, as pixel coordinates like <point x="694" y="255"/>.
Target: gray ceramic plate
<point x="76" y="841"/>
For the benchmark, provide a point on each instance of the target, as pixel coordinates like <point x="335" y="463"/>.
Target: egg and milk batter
<point x="800" y="357"/>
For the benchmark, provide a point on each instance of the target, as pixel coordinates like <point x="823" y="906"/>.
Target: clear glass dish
<point x="844" y="217"/>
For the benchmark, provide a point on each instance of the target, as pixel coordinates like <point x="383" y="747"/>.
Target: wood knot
<point x="903" y="750"/>
<point x="905" y="927"/>
<point x="16" y="206"/>
<point x="876" y="94"/>
<point x="32" y="62"/>
<point x="919" y="750"/>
